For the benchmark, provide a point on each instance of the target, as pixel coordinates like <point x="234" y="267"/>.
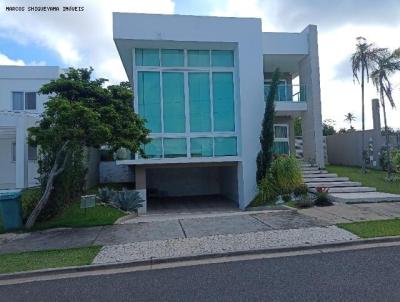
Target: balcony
<point x="289" y="97"/>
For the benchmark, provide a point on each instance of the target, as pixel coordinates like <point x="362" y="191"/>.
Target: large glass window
<point x="198" y="58"/>
<point x="153" y="149"/>
<point x="281" y="148"/>
<point x="225" y="146"/>
<point x="172" y="57"/>
<point x="30" y="100"/>
<point x="201" y="147"/>
<point x="147" y="57"/>
<point x="18" y="101"/>
<point x="222" y="58"/>
<point x="199" y="102"/>
<point x="149" y="99"/>
<point x="173" y="102"/>
<point x="174" y="147"/>
<point x="281" y="139"/>
<point x="224" y="112"/>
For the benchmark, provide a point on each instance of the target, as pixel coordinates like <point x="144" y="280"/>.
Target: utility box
<point x="11" y="210"/>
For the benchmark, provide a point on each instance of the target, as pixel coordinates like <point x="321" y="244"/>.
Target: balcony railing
<point x="288" y="93"/>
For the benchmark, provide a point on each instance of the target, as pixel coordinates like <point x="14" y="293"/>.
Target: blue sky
<point x="82" y="39"/>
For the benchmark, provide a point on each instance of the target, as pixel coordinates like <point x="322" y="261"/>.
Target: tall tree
<point x="362" y="60"/>
<point x="80" y="113"/>
<point x="350" y="118"/>
<point x="264" y="157"/>
<point x="388" y="63"/>
<point x="328" y="127"/>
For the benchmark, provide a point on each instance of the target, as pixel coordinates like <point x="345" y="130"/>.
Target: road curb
<point x="111" y="266"/>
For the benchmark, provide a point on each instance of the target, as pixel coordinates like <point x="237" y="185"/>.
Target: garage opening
<point x="192" y="189"/>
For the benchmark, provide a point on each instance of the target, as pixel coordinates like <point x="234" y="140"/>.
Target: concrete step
<point x="310" y="169"/>
<point x="314" y="172"/>
<point x="326" y="179"/>
<point x="320" y="175"/>
<point x="365" y="197"/>
<point x="349" y="189"/>
<point x="305" y="165"/>
<point x="334" y="184"/>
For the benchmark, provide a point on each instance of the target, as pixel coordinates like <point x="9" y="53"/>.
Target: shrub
<point x="300" y="190"/>
<point x="395" y="157"/>
<point x="267" y="193"/>
<point x="306" y="201"/>
<point x="286" y="197"/>
<point x="29" y="199"/>
<point x="126" y="200"/>
<point x="104" y="194"/>
<point x="286" y="173"/>
<point x="396" y="160"/>
<point x="322" y="197"/>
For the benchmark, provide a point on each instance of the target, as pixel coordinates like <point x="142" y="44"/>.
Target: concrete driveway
<point x="230" y="223"/>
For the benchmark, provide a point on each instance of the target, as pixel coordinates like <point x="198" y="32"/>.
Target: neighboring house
<point x="20" y="108"/>
<point x="200" y="82"/>
<point x="351" y="141"/>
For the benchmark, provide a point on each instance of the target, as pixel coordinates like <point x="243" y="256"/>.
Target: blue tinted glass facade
<point x="224" y="111"/>
<point x="222" y="58"/>
<point x="199" y="102"/>
<point x="149" y="99"/>
<point x="174" y="147"/>
<point x="198" y="58"/>
<point x="153" y="149"/>
<point x="172" y="57"/>
<point x="201" y="147"/>
<point x="147" y="57"/>
<point x="225" y="146"/>
<point x="173" y="102"/>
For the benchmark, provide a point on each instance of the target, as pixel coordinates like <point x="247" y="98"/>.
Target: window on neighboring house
<point x="281" y="139"/>
<point x="18" y="101"/>
<point x="23" y="100"/>
<point x="32" y="153"/>
<point x="13" y="152"/>
<point x="30" y="100"/>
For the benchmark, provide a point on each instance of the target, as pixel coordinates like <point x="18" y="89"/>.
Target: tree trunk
<point x="389" y="160"/>
<point x="55" y="170"/>
<point x="362" y="121"/>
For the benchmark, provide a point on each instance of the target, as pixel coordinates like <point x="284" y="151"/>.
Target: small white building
<point x="200" y="82"/>
<point x="20" y="108"/>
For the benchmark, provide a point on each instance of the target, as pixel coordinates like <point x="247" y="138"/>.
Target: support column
<point x="21" y="155"/>
<point x="141" y="187"/>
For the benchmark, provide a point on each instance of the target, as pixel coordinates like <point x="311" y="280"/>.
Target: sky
<point x="83" y="39"/>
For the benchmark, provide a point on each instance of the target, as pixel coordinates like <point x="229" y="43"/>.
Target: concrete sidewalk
<point x="229" y="224"/>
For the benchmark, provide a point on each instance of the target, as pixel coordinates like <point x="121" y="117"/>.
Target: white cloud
<point x="80" y="38"/>
<point x="4" y="60"/>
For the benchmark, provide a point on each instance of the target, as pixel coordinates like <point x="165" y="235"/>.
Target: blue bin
<point x="11" y="210"/>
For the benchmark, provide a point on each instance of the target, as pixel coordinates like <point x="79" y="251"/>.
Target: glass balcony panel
<point x="201" y="147"/>
<point x="225" y="146"/>
<point x="174" y="147"/>
<point x="287" y="93"/>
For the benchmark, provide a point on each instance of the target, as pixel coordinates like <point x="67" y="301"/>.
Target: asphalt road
<point x="361" y="275"/>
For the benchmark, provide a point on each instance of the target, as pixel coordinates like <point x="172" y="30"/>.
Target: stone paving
<point x="182" y="247"/>
<point x="342" y="213"/>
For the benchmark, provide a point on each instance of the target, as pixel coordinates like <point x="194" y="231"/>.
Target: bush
<point x="104" y="194"/>
<point x="286" y="173"/>
<point x="395" y="156"/>
<point x="29" y="199"/>
<point x="300" y="190"/>
<point x="307" y="201"/>
<point x="267" y="193"/>
<point x="322" y="197"/>
<point x="126" y="200"/>
<point x="286" y="197"/>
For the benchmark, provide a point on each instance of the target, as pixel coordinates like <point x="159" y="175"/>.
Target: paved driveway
<point x="231" y="223"/>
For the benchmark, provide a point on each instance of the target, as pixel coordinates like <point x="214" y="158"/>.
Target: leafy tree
<point x="328" y="127"/>
<point x="362" y="60"/>
<point x="81" y="113"/>
<point x="388" y="63"/>
<point x="349" y="117"/>
<point x="264" y="157"/>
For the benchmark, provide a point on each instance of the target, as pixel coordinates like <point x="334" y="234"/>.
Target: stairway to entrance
<point x="341" y="189"/>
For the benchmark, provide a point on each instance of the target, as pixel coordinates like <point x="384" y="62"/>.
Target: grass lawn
<point x="373" y="178"/>
<point x="74" y="216"/>
<point x="27" y="261"/>
<point x="375" y="228"/>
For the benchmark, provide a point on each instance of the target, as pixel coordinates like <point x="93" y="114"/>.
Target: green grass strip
<point x="375" y="228"/>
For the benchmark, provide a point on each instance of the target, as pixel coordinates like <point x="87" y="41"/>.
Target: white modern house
<point x="200" y="82"/>
<point x="20" y="108"/>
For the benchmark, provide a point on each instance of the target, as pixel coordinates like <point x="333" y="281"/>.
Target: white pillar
<point x="21" y="155"/>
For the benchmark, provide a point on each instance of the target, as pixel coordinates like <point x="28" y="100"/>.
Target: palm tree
<point x="362" y="60"/>
<point x="388" y="63"/>
<point x="349" y="117"/>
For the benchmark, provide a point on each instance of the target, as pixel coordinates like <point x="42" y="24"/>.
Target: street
<point x="358" y="275"/>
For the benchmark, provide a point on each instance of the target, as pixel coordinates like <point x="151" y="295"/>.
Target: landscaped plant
<point x="306" y="201"/>
<point x="286" y="197"/>
<point x="80" y="113"/>
<point x="322" y="197"/>
<point x="104" y="194"/>
<point x="286" y="173"/>
<point x="300" y="190"/>
<point x="264" y="157"/>
<point x="127" y="200"/>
